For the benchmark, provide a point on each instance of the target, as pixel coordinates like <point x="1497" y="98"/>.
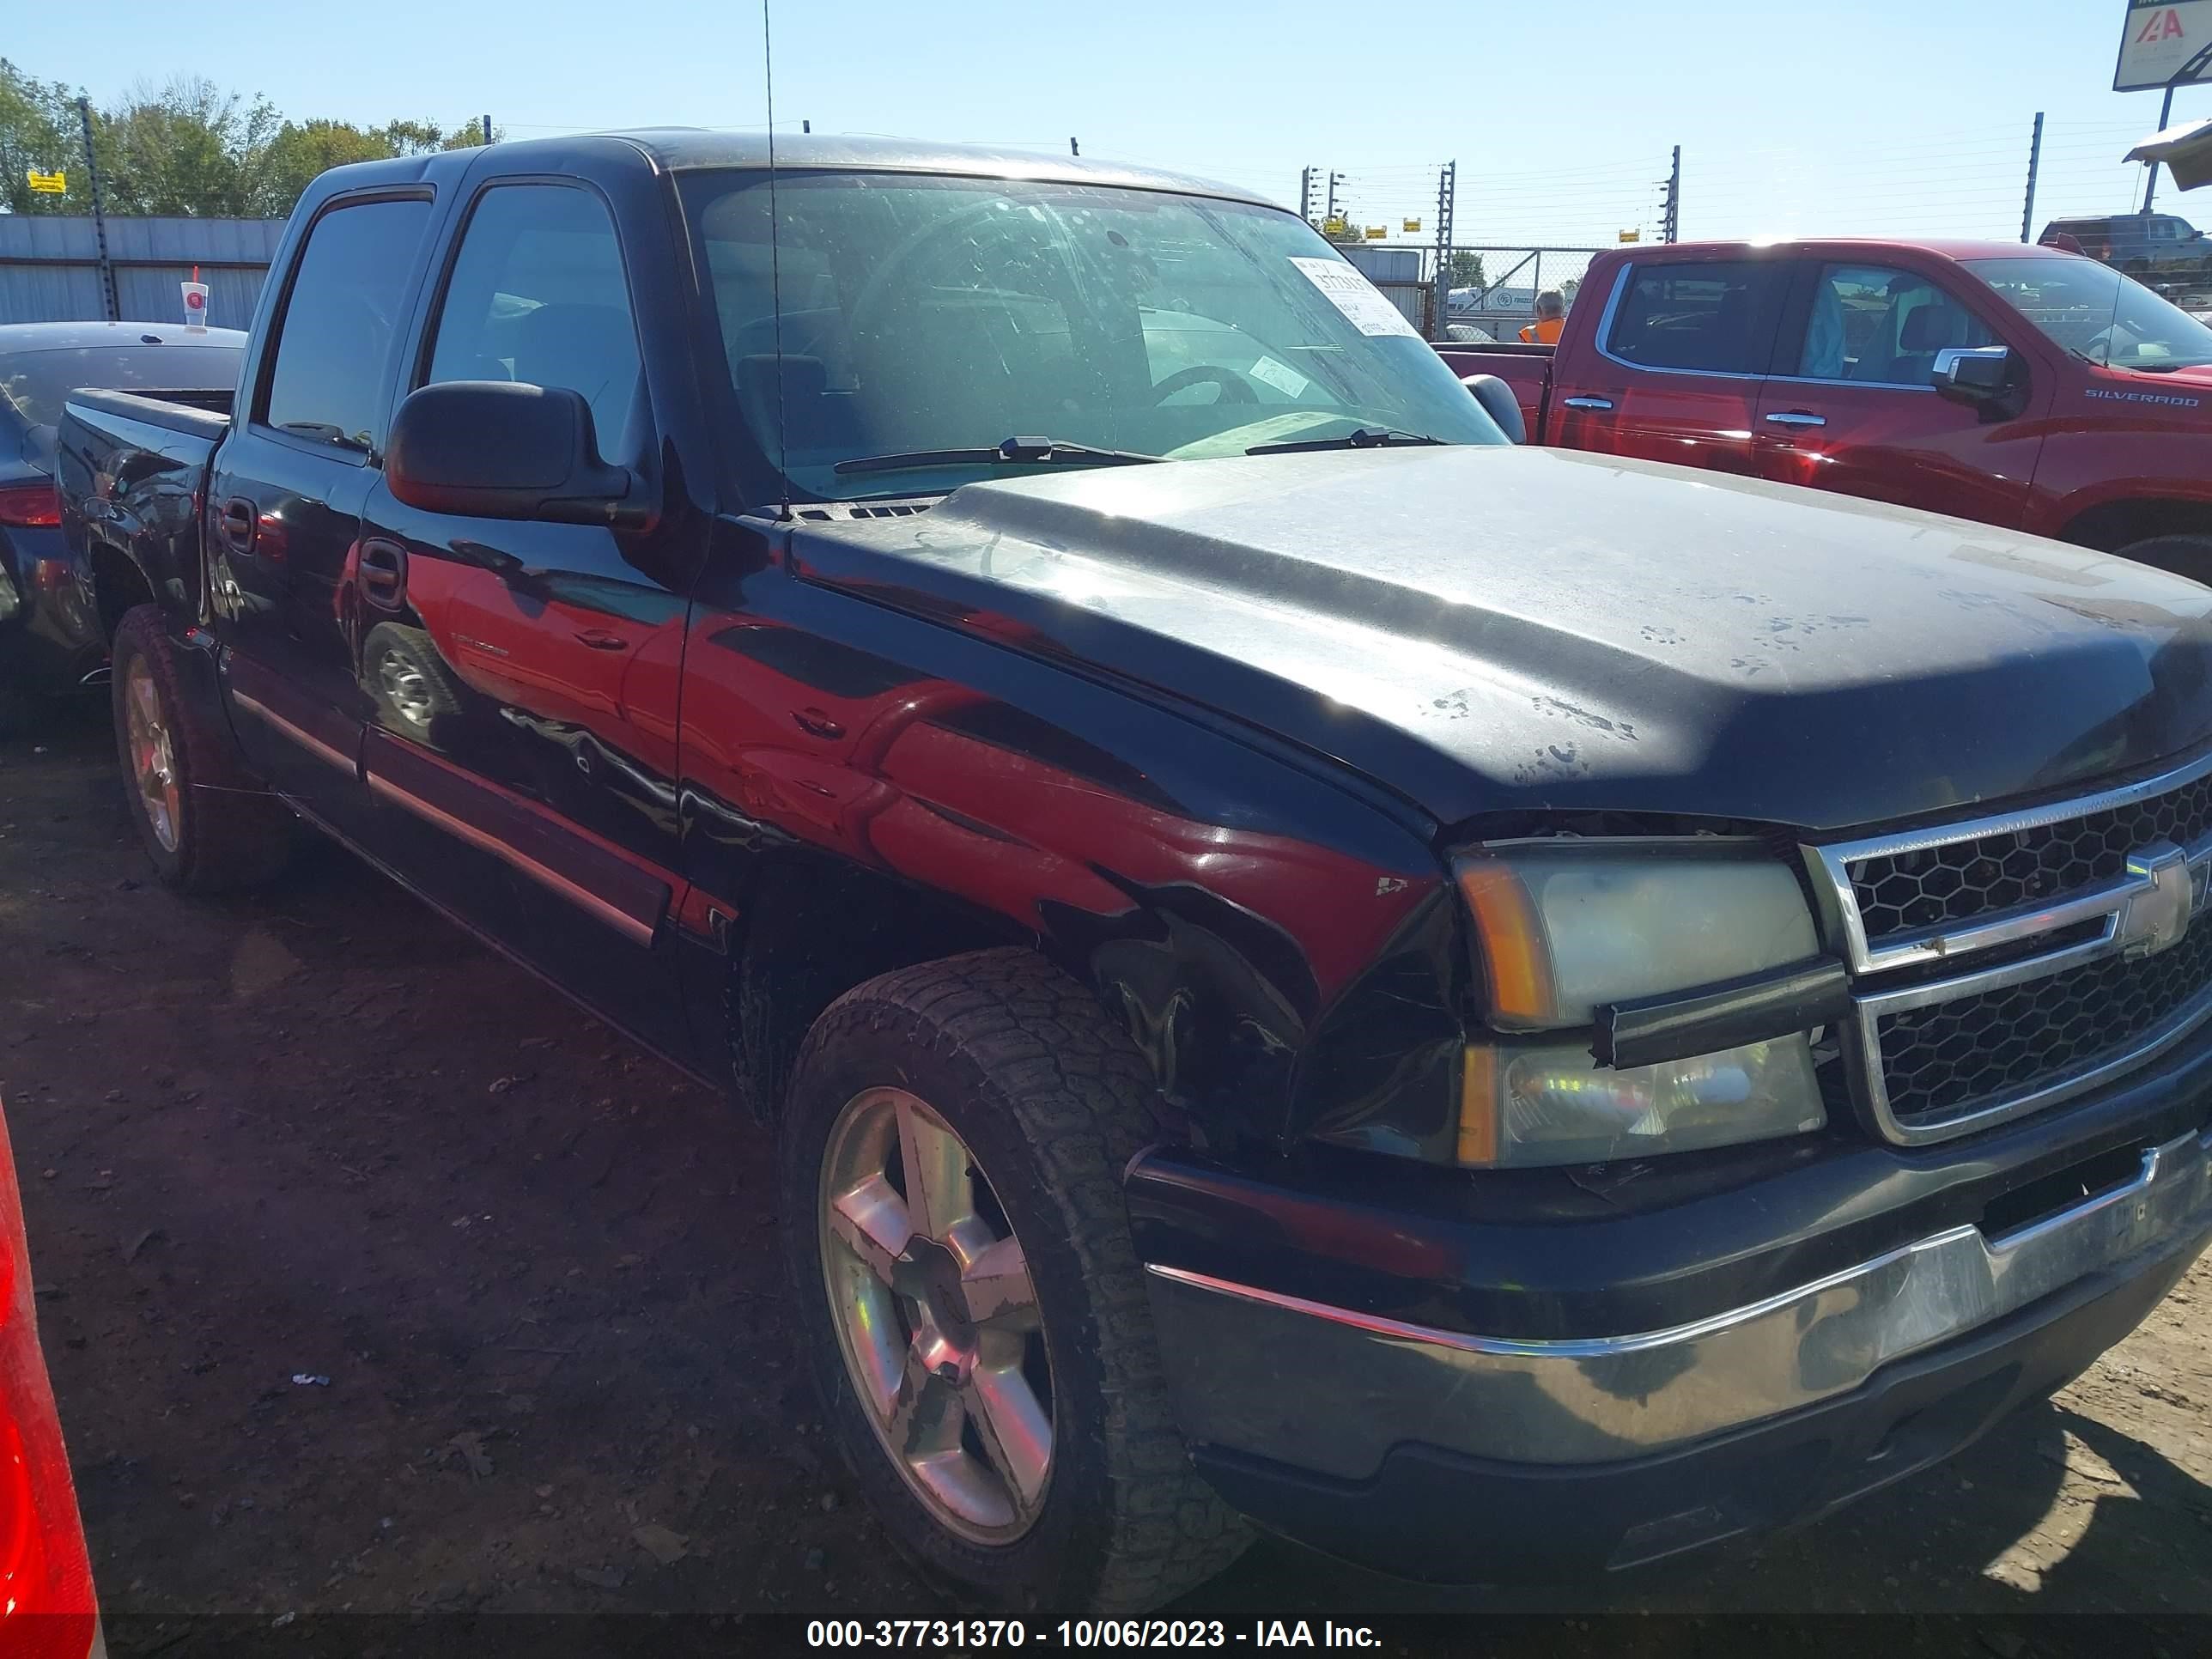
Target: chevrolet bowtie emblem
<point x="2155" y="916"/>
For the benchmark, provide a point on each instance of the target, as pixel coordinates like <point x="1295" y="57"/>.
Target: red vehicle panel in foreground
<point x="46" y="1607"/>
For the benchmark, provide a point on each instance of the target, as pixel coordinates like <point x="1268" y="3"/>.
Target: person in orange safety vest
<point x="1551" y="317"/>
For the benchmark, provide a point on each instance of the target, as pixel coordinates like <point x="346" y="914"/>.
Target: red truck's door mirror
<point x="1498" y="402"/>
<point x="1981" y="377"/>
<point x="495" y="449"/>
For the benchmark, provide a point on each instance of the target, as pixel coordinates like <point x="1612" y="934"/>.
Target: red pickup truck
<point x="2019" y="386"/>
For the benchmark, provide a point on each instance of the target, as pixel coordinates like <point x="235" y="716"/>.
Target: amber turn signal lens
<point x="1478" y="1107"/>
<point x="1511" y="940"/>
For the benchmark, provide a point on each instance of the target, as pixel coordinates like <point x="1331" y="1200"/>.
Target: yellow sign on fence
<point x="1412" y="225"/>
<point x="1631" y="235"/>
<point x="47" y="183"/>
<point x="1376" y="233"/>
<point x="1334" y="227"/>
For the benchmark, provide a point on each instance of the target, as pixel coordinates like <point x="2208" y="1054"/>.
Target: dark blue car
<point x="53" y="635"/>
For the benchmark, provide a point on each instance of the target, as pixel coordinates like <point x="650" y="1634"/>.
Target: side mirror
<point x="1981" y="377"/>
<point x="1498" y="402"/>
<point x="494" y="449"/>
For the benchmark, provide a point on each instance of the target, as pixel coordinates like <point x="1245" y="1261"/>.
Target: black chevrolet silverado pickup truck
<point x="1494" y="1010"/>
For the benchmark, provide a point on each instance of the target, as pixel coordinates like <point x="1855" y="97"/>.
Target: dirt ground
<point x="373" y="1277"/>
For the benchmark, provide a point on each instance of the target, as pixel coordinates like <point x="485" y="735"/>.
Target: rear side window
<point x="1717" y="317"/>
<point x="328" y="380"/>
<point x="537" y="295"/>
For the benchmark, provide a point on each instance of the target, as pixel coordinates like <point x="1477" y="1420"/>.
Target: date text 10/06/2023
<point x="1085" y="1633"/>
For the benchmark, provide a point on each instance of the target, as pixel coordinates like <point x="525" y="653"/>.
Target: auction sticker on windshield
<point x="1351" y="292"/>
<point x="1281" y="376"/>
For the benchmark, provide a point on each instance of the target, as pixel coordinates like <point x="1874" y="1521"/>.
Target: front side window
<point x="327" y="383"/>
<point x="537" y="295"/>
<point x="1883" y="327"/>
<point x="1716" y="316"/>
<point x="2098" y="314"/>
<point x="923" y="313"/>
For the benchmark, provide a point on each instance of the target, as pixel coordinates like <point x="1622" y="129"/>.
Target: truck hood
<point x="1487" y="630"/>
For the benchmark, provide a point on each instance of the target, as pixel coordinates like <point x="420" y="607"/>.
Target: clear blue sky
<point x="1881" y="116"/>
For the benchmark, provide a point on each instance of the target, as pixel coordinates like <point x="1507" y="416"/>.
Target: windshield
<point x="924" y="314"/>
<point x="2093" y="312"/>
<point x="34" y="383"/>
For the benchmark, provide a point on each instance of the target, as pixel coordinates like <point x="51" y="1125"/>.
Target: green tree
<point x="39" y="129"/>
<point x="300" y="149"/>
<point x="1466" y="268"/>
<point x="187" y="147"/>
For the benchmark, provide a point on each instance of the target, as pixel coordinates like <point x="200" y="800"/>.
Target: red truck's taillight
<point x="46" y="1607"/>
<point x="31" y="504"/>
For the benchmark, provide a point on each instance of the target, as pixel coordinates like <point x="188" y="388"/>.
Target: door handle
<point x="1586" y="402"/>
<point x="1796" y="417"/>
<point x="233" y="523"/>
<point x="600" y="639"/>
<point x="381" y="569"/>
<point x="815" y="723"/>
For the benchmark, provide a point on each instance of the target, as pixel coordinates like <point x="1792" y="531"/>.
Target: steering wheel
<point x="1234" y="388"/>
<point x="882" y="283"/>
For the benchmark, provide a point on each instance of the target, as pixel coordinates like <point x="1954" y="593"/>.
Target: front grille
<point x="1945" y="1061"/>
<point x="1937" y="886"/>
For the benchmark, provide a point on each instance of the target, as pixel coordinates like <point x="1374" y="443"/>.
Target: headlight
<point x="1565" y="928"/>
<point x="1555" y="1104"/>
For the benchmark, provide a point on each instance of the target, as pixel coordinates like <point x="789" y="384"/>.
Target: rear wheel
<point x="205" y="820"/>
<point x="951" y="1157"/>
<point x="2184" y="555"/>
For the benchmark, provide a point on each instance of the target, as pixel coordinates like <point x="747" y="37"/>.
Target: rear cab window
<point x="1714" y="317"/>
<point x="326" y="382"/>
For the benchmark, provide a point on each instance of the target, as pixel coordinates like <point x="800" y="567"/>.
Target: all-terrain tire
<point x="1053" y="1102"/>
<point x="227" y="830"/>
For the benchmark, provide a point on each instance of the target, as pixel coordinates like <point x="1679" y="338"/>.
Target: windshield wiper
<point x="1362" y="437"/>
<point x="1028" y="451"/>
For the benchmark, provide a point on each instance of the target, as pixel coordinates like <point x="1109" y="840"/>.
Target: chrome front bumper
<point x="1332" y="1390"/>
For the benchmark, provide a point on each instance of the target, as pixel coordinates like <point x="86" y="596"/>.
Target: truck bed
<point x="1526" y="368"/>
<point x="132" y="471"/>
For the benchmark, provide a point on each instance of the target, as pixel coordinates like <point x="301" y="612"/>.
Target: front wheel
<point x="951" y="1157"/>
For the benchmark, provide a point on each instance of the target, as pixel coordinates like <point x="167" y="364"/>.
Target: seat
<point x="806" y="417"/>
<point x="591" y="350"/>
<point x="1935" y="324"/>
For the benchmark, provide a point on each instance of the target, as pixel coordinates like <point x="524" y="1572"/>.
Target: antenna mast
<point x="775" y="266"/>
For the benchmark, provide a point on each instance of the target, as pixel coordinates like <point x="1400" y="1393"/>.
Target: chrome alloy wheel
<point x="153" y="767"/>
<point x="406" y="688"/>
<point x="936" y="1315"/>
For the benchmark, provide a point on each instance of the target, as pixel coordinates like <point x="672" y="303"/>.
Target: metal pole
<point x="1672" y="227"/>
<point x="487" y="129"/>
<point x="2034" y="158"/>
<point x="99" y="217"/>
<point x="1305" y="194"/>
<point x="1447" y="200"/>
<point x="2165" y="114"/>
<point x="1334" y="179"/>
